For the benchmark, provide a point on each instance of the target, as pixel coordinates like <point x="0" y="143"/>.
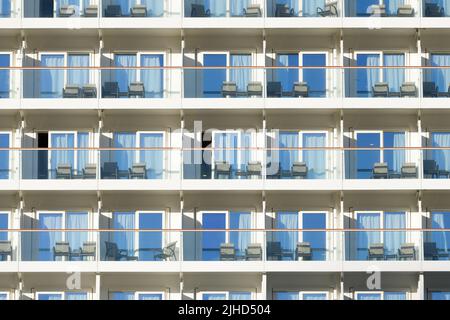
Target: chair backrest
<point x="111" y="86"/>
<point x="429" y="248"/>
<point x="198" y="10"/>
<point x="376" y="249"/>
<point x="222" y="166"/>
<point x="381" y="87"/>
<point x="407" y="249"/>
<point x="254" y="166"/>
<point x="299" y="167"/>
<point x="64" y="168"/>
<point x="89" y="247"/>
<point x="112" y="250"/>
<point x="5" y="246"/>
<point x="409" y="167"/>
<point x="136" y="86"/>
<point x="254" y="86"/>
<point x="380" y="167"/>
<point x="429" y="165"/>
<point x="139" y="168"/>
<point x="254" y="249"/>
<point x="91" y="168"/>
<point x="169" y="249"/>
<point x="229" y="86"/>
<point x="303" y="248"/>
<point x="110" y="167"/>
<point x="274" y="247"/>
<point x="89" y="87"/>
<point x="408" y="87"/>
<point x="429" y="87"/>
<point x="227" y="249"/>
<point x="62" y="247"/>
<point x="274" y="87"/>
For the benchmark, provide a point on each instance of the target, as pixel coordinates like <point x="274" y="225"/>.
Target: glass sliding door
<point x="369" y="296"/>
<point x="64" y="156"/>
<point x="317" y="239"/>
<point x="153" y="79"/>
<point x="309" y="7"/>
<point x="394" y="77"/>
<point x="289" y="153"/>
<point x="226" y="145"/>
<point x="241" y="76"/>
<point x="211" y="240"/>
<point x="217" y="8"/>
<point x="125" y="76"/>
<point x="122" y="295"/>
<point x="5" y="166"/>
<point x="214" y="296"/>
<point x="439" y="76"/>
<point x="314" y="296"/>
<point x="441" y="239"/>
<point x="3" y="296"/>
<point x="367" y="77"/>
<point x="363" y="7"/>
<point x="237" y="7"/>
<point x="153" y="158"/>
<point x="125" y="240"/>
<point x="5" y="9"/>
<point x="441" y="156"/>
<point x="124" y="158"/>
<point x="393" y="295"/>
<point x="5" y="81"/>
<point x="48" y="239"/>
<point x="149" y="296"/>
<point x="393" y="240"/>
<point x="155" y="8"/>
<point x="150" y="242"/>
<point x="239" y="295"/>
<point x="287" y="77"/>
<point x="395" y="159"/>
<point x="50" y="296"/>
<point x="315" y="159"/>
<point x="76" y="4"/>
<point x="78" y="77"/>
<point x="76" y="296"/>
<point x="366" y="220"/>
<point x="213" y="78"/>
<point x="316" y="78"/>
<point x="77" y="220"/>
<point x="51" y="80"/>
<point x="440" y="295"/>
<point x="240" y="239"/>
<point x="287" y="239"/>
<point x="365" y="159"/>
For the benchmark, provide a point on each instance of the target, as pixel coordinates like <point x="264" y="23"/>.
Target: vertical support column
<point x="183" y="46"/>
<point x="340" y="221"/>
<point x="97" y="145"/>
<point x="420" y="152"/>
<point x="181" y="286"/>
<point x="19" y="143"/>
<point x="264" y="70"/>
<point x="264" y="151"/>
<point x="20" y="63"/>
<point x="342" y="287"/>
<point x="264" y="295"/>
<point x="419" y="63"/>
<point x="421" y="290"/>
<point x="180" y="226"/>
<point x="341" y="63"/>
<point x="99" y="64"/>
<point x="96" y="224"/>
<point x="341" y="151"/>
<point x="97" y="293"/>
<point x="19" y="290"/>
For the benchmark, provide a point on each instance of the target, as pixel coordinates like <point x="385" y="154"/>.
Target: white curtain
<point x="315" y="159"/>
<point x="218" y="8"/>
<point x="153" y="79"/>
<point x="154" y="159"/>
<point x="394" y="77"/>
<point x="394" y="239"/>
<point x="441" y="77"/>
<point x="287" y="239"/>
<point x="442" y="156"/>
<point x="238" y="6"/>
<point x="58" y="157"/>
<point x="76" y="220"/>
<point x="445" y="4"/>
<point x="310" y="7"/>
<point x="392" y="6"/>
<point x="124" y="158"/>
<point x="51" y="80"/>
<point x="226" y="144"/>
<point x="441" y="220"/>
<point x="47" y="239"/>
<point x="125" y="76"/>
<point x="237" y="295"/>
<point x="398" y="156"/>
<point x="366" y="238"/>
<point x="288" y="139"/>
<point x="369" y="76"/>
<point x="78" y="77"/>
<point x="82" y="154"/>
<point x="155" y="8"/>
<point x="240" y="75"/>
<point x="124" y="239"/>
<point x="240" y="239"/>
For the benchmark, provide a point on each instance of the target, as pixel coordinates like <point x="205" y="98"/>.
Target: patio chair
<point x="433" y="10"/>
<point x="409" y="170"/>
<point x="227" y="252"/>
<point x="89" y="90"/>
<point x="138" y="171"/>
<point x="407" y="251"/>
<point x="64" y="171"/>
<point x="168" y="252"/>
<point x="254" y="89"/>
<point x="252" y="10"/>
<point x="329" y="10"/>
<point x="378" y="10"/>
<point x="380" y="89"/>
<point x="300" y="89"/>
<point x="430" y="168"/>
<point x="110" y="170"/>
<point x="61" y="249"/>
<point x="71" y="91"/>
<point x="91" y="11"/>
<point x="88" y="250"/>
<point x="90" y="171"/>
<point x="380" y="170"/>
<point x="274" y="89"/>
<point x="408" y="89"/>
<point x="5" y="250"/>
<point x="113" y="253"/>
<point x="254" y="169"/>
<point x="405" y="10"/>
<point x="376" y="251"/>
<point x="430" y="251"/>
<point x="136" y="90"/>
<point x="198" y="10"/>
<point x="430" y="89"/>
<point x="253" y="252"/>
<point x="113" y="11"/>
<point x="303" y="251"/>
<point x="222" y="168"/>
<point x="283" y="10"/>
<point x="274" y="250"/>
<point x="138" y="10"/>
<point x="299" y="169"/>
<point x="66" y="10"/>
<point x="110" y="89"/>
<point x="229" y="89"/>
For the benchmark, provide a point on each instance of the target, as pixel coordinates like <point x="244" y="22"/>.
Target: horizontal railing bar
<point x="231" y="230"/>
<point x="220" y="148"/>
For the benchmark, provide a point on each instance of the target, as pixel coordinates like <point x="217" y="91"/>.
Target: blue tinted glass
<point x="240" y="220"/>
<point x="52" y="80"/>
<point x="314" y="296"/>
<point x="4" y="156"/>
<point x="367" y="158"/>
<point x="238" y="295"/>
<point x="125" y="76"/>
<point x="286" y="295"/>
<point x="363" y="6"/>
<point x="150" y="243"/>
<point x="76" y="296"/>
<point x="394" y="158"/>
<point x="50" y="296"/>
<point x="122" y="295"/>
<point x="4" y="76"/>
<point x="3" y="296"/>
<point x="213" y="78"/>
<point x="369" y="296"/>
<point x="47" y="239"/>
<point x="214" y="296"/>
<point x="5" y="8"/>
<point x="440" y="296"/>
<point x="367" y="77"/>
<point x="315" y="77"/>
<point x="212" y="240"/>
<point x="317" y="239"/>
<point x="149" y="296"/>
<point x="287" y="77"/>
<point x="395" y="296"/>
<point x="3" y="225"/>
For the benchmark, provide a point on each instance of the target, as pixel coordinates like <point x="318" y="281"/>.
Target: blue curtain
<point x="314" y="296"/>
<point x="76" y="220"/>
<point x="4" y="76"/>
<point x="394" y="239"/>
<point x="288" y="139"/>
<point x="153" y="79"/>
<point x="369" y="296"/>
<point x="246" y="144"/>
<point x="288" y="239"/>
<point x="366" y="78"/>
<point x="236" y="295"/>
<point x="122" y="295"/>
<point x="441" y="220"/>
<point x="154" y="159"/>
<point x="441" y="77"/>
<point x="62" y="140"/>
<point x="214" y="296"/>
<point x="4" y="156"/>
<point x="124" y="239"/>
<point x="395" y="296"/>
<point x="286" y="295"/>
<point x="218" y="8"/>
<point x="124" y="158"/>
<point x="394" y="77"/>
<point x="78" y="77"/>
<point x="237" y="7"/>
<point x="315" y="159"/>
<point x="149" y="296"/>
<point x="366" y="238"/>
<point x="240" y="76"/>
<point x="441" y="156"/>
<point x="5" y="8"/>
<point x="287" y="77"/>
<point x="83" y="154"/>
<point x="49" y="296"/>
<point x="310" y="7"/>
<point x="392" y="6"/>
<point x="52" y="80"/>
<point x="240" y="239"/>
<point x="125" y="76"/>
<point x="225" y="148"/>
<point x="155" y="8"/>
<point x="47" y="239"/>
<point x="76" y="296"/>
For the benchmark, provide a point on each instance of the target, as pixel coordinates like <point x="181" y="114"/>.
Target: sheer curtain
<point x="442" y="156"/>
<point x="82" y="155"/>
<point x="445" y="4"/>
<point x="441" y="220"/>
<point x="52" y="80"/>
<point x="124" y="239"/>
<point x="310" y="7"/>
<point x="394" y="239"/>
<point x="47" y="239"/>
<point x="76" y="296"/>
<point x="366" y="78"/>
<point x="392" y="6"/>
<point x="394" y="158"/>
<point x="242" y="75"/>
<point x="395" y="296"/>
<point x="76" y="76"/>
<point x="4" y="76"/>
<point x="153" y="79"/>
<point x="4" y="156"/>
<point x="288" y="139"/>
<point x="240" y="239"/>
<point x="366" y="238"/>
<point x="76" y="220"/>
<point x="238" y="6"/>
<point x="314" y="296"/>
<point x="315" y="159"/>
<point x="288" y="239"/>
<point x="236" y="295"/>
<point x="58" y="157"/>
<point x="155" y="8"/>
<point x="246" y="144"/>
<point x="441" y="77"/>
<point x="154" y="159"/>
<point x="124" y="158"/>
<point x="218" y="8"/>
<point x="5" y="8"/>
<point x="394" y="77"/>
<point x="225" y="144"/>
<point x="125" y="76"/>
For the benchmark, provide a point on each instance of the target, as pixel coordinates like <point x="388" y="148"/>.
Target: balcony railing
<point x="233" y="245"/>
